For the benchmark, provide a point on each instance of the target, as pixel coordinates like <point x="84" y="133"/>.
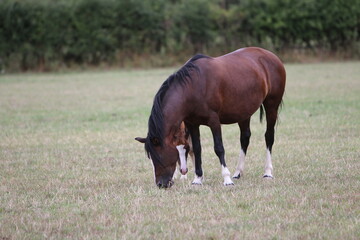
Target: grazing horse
<point x="213" y="91"/>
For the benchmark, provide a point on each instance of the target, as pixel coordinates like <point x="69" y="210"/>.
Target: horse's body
<point x="214" y="91"/>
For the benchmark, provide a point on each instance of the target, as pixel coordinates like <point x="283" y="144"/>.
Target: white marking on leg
<point x="198" y="180"/>
<point x="152" y="164"/>
<point x="176" y="173"/>
<point x="268" y="165"/>
<point x="226" y="175"/>
<point x="182" y="154"/>
<point x="183" y="177"/>
<point x="241" y="164"/>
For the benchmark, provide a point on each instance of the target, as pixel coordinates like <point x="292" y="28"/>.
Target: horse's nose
<point x="184" y="171"/>
<point x="165" y="184"/>
<point x="159" y="184"/>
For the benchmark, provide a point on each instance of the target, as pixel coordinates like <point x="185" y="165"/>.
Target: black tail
<point x="261" y="113"/>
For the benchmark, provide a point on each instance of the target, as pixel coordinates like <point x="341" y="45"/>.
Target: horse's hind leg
<point x="245" y="134"/>
<point x="190" y="151"/>
<point x="271" y="117"/>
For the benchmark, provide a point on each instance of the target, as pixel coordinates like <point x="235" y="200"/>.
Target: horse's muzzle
<point x="184" y="172"/>
<point x="165" y="184"/>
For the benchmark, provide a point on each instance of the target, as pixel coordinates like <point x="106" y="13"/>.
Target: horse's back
<point x="252" y="63"/>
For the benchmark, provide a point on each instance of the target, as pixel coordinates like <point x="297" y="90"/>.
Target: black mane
<point x="156" y="120"/>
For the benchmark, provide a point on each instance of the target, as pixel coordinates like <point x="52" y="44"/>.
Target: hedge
<point x="40" y="35"/>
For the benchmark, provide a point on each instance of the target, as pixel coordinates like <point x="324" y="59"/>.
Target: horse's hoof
<point x="196" y="183"/>
<point x="197" y="180"/>
<point x="228" y="184"/>
<point x="268" y="176"/>
<point x="236" y="176"/>
<point x="228" y="181"/>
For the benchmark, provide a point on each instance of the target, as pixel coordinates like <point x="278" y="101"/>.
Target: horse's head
<point x="164" y="154"/>
<point x="168" y="108"/>
<point x="164" y="158"/>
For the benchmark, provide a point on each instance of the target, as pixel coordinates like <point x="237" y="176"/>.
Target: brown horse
<point x="214" y="91"/>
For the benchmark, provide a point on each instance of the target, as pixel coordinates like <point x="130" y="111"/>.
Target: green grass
<point x="71" y="169"/>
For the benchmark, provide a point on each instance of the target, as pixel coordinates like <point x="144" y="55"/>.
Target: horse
<point x="212" y="91"/>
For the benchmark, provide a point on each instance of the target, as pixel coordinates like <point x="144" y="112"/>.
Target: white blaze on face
<point x="182" y="154"/>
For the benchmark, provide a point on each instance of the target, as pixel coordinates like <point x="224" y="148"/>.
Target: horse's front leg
<point x="220" y="152"/>
<point x="176" y="173"/>
<point x="195" y="138"/>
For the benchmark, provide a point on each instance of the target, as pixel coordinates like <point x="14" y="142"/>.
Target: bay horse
<point x="212" y="91"/>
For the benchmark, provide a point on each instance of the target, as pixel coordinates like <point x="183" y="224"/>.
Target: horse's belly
<point x="237" y="112"/>
<point x="234" y="117"/>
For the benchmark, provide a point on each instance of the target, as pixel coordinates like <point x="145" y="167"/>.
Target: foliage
<point x="36" y="34"/>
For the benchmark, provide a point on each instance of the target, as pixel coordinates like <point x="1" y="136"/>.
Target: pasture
<point x="71" y="169"/>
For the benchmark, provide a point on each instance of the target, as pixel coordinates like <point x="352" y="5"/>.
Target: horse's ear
<point x="140" y="139"/>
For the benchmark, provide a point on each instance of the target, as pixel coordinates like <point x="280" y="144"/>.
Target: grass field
<point x="70" y="168"/>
